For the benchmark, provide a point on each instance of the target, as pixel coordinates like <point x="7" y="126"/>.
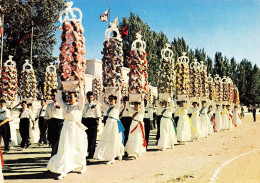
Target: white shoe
<point x="120" y="158"/>
<point x="83" y="169"/>
<point x="163" y="149"/>
<point x="135" y="156"/>
<point x="139" y="155"/>
<point x="111" y="162"/>
<point x="62" y="175"/>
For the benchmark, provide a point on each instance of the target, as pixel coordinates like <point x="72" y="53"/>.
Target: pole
<point x="108" y="17"/>
<point x="32" y="43"/>
<point x="2" y="44"/>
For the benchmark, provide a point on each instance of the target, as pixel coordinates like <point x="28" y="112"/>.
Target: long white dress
<point x="135" y="142"/>
<point x="224" y="116"/>
<point x="211" y="124"/>
<point x="205" y="122"/>
<point x="236" y="117"/>
<point x="183" y="127"/>
<point x="167" y="132"/>
<point x="73" y="144"/>
<point x="230" y="118"/>
<point x="218" y="119"/>
<point x="195" y="121"/>
<point x="110" y="143"/>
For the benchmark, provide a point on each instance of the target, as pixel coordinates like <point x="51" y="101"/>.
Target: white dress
<point x="230" y="118"/>
<point x="195" y="121"/>
<point x="236" y="117"/>
<point x="110" y="143"/>
<point x="167" y="132"/>
<point x="205" y="122"/>
<point x="183" y="127"/>
<point x="73" y="144"/>
<point x="224" y="117"/>
<point x="135" y="142"/>
<point x="211" y="124"/>
<point x="218" y="119"/>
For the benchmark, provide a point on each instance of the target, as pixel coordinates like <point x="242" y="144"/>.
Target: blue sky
<point x="229" y="26"/>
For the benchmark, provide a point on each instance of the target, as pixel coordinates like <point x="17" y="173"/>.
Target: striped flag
<point x="104" y="16"/>
<point x="1" y="25"/>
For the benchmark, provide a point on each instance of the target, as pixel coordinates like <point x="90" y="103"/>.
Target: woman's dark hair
<point x="24" y="102"/>
<point x="2" y="101"/>
<point x="54" y="91"/>
<point x="89" y="94"/>
<point x="73" y="93"/>
<point x="115" y="98"/>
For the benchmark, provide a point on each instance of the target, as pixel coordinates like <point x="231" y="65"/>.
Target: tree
<point x="218" y="64"/>
<point x="20" y="17"/>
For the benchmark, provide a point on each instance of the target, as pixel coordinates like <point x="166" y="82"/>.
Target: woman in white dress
<point x="110" y="144"/>
<point x="237" y="118"/>
<point x="168" y="129"/>
<point x="224" y="117"/>
<point x="204" y="119"/>
<point x="218" y="118"/>
<point x="230" y="118"/>
<point x="183" y="126"/>
<point x="136" y="143"/>
<point x="73" y="145"/>
<point x="195" y="120"/>
<point x="212" y="123"/>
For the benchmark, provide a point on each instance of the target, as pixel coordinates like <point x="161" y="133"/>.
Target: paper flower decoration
<point x="72" y="57"/>
<point x="182" y="76"/>
<point x="166" y="80"/>
<point x="96" y="86"/>
<point x="50" y="82"/>
<point x="28" y="83"/>
<point x="138" y="64"/>
<point x="8" y="85"/>
<point x="195" y="79"/>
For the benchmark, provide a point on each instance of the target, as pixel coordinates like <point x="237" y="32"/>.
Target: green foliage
<point x="19" y="17"/>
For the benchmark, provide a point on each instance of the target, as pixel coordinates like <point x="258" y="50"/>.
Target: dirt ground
<point x="192" y="162"/>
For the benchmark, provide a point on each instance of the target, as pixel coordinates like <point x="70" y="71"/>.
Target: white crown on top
<point x="183" y="59"/>
<point x="202" y="66"/>
<point x="166" y="51"/>
<point x="10" y="61"/>
<point x="113" y="28"/>
<point x="51" y="68"/>
<point x="142" y="43"/>
<point x="69" y="14"/>
<point x="229" y="80"/>
<point x="26" y="65"/>
<point x="217" y="78"/>
<point x="195" y="64"/>
<point x="210" y="79"/>
<point x="224" y="79"/>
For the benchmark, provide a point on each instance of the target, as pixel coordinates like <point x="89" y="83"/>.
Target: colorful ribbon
<point x="180" y="111"/>
<point x="121" y="128"/>
<point x="239" y="116"/>
<point x="174" y="124"/>
<point x="232" y="120"/>
<point x="142" y="129"/>
<point x="214" y="123"/>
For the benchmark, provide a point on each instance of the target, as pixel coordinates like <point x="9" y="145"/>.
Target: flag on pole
<point x="125" y="31"/>
<point x="24" y="37"/>
<point x="1" y="25"/>
<point x="104" y="16"/>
